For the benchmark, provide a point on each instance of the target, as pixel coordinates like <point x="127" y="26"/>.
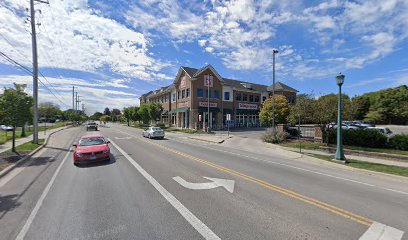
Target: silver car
<point x="153" y="132"/>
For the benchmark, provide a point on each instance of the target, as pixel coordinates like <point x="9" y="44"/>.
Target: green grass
<point x="377" y="167"/>
<point x="190" y="131"/>
<point x="29" y="146"/>
<point x="305" y="145"/>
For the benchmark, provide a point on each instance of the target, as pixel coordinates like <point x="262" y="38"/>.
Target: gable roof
<point x="239" y="85"/>
<point x="282" y="87"/>
<point x="190" y="71"/>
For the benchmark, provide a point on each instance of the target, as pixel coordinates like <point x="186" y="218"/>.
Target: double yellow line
<point x="322" y="205"/>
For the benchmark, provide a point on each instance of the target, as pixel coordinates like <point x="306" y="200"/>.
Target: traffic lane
<point x="380" y="205"/>
<point x="250" y="212"/>
<point x="20" y="193"/>
<point x="106" y="201"/>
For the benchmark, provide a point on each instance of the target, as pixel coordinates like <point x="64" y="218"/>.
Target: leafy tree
<point x="326" y="109"/>
<point x="104" y="118"/>
<point x="135" y="116"/>
<point x="127" y="114"/>
<point x="107" y="112"/>
<point x="304" y="109"/>
<point x="15" y="106"/>
<point x="96" y="116"/>
<point x="155" y="110"/>
<point x="49" y="110"/>
<point x="115" y="114"/>
<point x="359" y="107"/>
<point x="281" y="110"/>
<point x="143" y="112"/>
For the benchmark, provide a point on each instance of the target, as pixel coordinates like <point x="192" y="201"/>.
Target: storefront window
<point x="199" y="92"/>
<point x="251" y="98"/>
<point x="244" y="97"/>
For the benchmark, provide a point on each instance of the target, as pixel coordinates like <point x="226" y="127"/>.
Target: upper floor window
<point x="187" y="92"/>
<point x="216" y="94"/>
<point x="256" y="98"/>
<point x="178" y="94"/>
<point x="174" y="97"/>
<point x="183" y="93"/>
<point x="227" y="96"/>
<point x="238" y="97"/>
<point x="207" y="93"/>
<point x="251" y="98"/>
<point x="244" y="97"/>
<point x="199" y="92"/>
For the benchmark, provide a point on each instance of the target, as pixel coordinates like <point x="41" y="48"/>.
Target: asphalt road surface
<point x="181" y="189"/>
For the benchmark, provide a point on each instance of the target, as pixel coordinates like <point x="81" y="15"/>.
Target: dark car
<point x="91" y="126"/>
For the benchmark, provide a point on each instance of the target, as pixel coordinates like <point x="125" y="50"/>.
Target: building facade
<point x="201" y="98"/>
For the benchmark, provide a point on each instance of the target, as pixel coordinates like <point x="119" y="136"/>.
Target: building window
<point x="174" y="97"/>
<point x="178" y="94"/>
<point x="188" y="92"/>
<point x="199" y="92"/>
<point x="238" y="96"/>
<point x="183" y="94"/>
<point x="166" y="99"/>
<point x="216" y="94"/>
<point x="256" y="99"/>
<point x="244" y="97"/>
<point x="251" y="98"/>
<point x="226" y="96"/>
<point x="263" y="98"/>
<point x="207" y="93"/>
<point x="162" y="99"/>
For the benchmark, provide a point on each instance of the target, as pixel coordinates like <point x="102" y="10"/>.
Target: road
<point x="165" y="189"/>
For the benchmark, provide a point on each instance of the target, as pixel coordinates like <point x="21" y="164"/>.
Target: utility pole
<point x="35" y="69"/>
<point x="73" y="97"/>
<point x="76" y="101"/>
<point x="273" y="89"/>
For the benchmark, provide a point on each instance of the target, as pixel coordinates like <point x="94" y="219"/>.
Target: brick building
<point x="186" y="105"/>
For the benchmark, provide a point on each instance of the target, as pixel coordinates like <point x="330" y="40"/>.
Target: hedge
<point x="357" y="137"/>
<point x="399" y="141"/>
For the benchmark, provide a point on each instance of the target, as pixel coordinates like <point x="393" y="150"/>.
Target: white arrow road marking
<point x="215" y="182"/>
<point x="379" y="231"/>
<point x="123" y="138"/>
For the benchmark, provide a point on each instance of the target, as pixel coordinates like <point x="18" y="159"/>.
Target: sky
<point x="115" y="50"/>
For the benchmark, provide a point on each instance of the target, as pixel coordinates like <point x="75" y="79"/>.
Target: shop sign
<point x="247" y="106"/>
<point x="205" y="104"/>
<point x="183" y="104"/>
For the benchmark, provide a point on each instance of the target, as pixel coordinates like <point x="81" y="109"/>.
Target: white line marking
<point x="215" y="182"/>
<point x="34" y="212"/>
<point x="379" y="231"/>
<point x="206" y="232"/>
<point x="299" y="168"/>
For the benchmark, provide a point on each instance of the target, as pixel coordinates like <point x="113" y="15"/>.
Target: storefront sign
<point x="182" y="104"/>
<point x="247" y="106"/>
<point x="205" y="104"/>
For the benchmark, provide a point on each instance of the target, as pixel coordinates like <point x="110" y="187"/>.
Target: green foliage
<point x="399" y="141"/>
<point x="107" y="112"/>
<point x="15" y="106"/>
<point x="281" y="110"/>
<point x="105" y="118"/>
<point x="96" y="116"/>
<point x="359" y="107"/>
<point x="274" y="136"/>
<point x="144" y="113"/>
<point x="115" y="114"/>
<point x="357" y="137"/>
<point x="155" y="110"/>
<point x="303" y="109"/>
<point x="131" y="114"/>
<point x="49" y="110"/>
<point x="161" y="125"/>
<point x="327" y="106"/>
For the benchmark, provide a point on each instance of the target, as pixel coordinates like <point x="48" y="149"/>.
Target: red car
<point x="91" y="149"/>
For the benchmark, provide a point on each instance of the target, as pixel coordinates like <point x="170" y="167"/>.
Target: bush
<point x="275" y="136"/>
<point x="161" y="125"/>
<point x="357" y="137"/>
<point x="399" y="141"/>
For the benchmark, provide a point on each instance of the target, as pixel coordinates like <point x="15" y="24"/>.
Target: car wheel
<point x="76" y="164"/>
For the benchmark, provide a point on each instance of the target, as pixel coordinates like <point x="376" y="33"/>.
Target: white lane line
<point x="37" y="207"/>
<point x="299" y="168"/>
<point x="206" y="232"/>
<point x="379" y="231"/>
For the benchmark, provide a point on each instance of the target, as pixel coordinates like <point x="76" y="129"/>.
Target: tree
<point x="127" y="113"/>
<point x="96" y="116"/>
<point x="104" y="118"/>
<point x="281" y="110"/>
<point x="115" y="114"/>
<point x="359" y="107"/>
<point x="155" y="110"/>
<point x="15" y="106"/>
<point x="135" y="114"/>
<point x="143" y="112"/>
<point x="49" y="110"/>
<point x="326" y="109"/>
<point x="107" y="112"/>
<point x="303" y="110"/>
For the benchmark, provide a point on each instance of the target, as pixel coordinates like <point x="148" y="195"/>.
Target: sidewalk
<point x="7" y="145"/>
<point x="211" y="138"/>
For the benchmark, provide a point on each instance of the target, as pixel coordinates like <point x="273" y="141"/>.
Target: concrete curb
<point x="14" y="165"/>
<point x="205" y="140"/>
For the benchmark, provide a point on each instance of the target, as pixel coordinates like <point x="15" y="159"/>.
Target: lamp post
<point x="339" y="149"/>
<point x="273" y="89"/>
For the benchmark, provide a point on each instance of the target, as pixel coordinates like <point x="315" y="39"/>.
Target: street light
<point x="339" y="149"/>
<point x="273" y="89"/>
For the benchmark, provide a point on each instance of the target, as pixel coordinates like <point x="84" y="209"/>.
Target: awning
<point x="247" y="111"/>
<point x="177" y="110"/>
<point x="227" y="110"/>
<point x="205" y="109"/>
<point x="165" y="112"/>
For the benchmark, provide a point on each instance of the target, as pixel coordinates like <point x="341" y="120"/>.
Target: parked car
<point x="153" y="132"/>
<point x="386" y="131"/>
<point x="91" y="149"/>
<point x="91" y="125"/>
<point x="362" y="124"/>
<point x="345" y="126"/>
<point x="6" y="128"/>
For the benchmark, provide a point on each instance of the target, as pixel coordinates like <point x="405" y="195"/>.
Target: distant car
<point x="153" y="132"/>
<point x="6" y="128"/>
<point x="91" y="125"/>
<point x="346" y="126"/>
<point x="385" y="131"/>
<point x="362" y="124"/>
<point x="92" y="148"/>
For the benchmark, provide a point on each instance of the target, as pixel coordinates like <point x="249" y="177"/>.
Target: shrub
<point x="161" y="125"/>
<point x="275" y="136"/>
<point x="399" y="141"/>
<point x="357" y="137"/>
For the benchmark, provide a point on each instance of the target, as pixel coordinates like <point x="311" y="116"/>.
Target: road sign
<point x="215" y="182"/>
<point x="228" y="117"/>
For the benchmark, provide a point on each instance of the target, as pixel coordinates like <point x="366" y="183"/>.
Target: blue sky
<point x="116" y="50"/>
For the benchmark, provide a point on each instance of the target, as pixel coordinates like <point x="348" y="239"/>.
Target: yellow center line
<point x="322" y="205"/>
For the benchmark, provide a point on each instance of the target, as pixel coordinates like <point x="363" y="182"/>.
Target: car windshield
<point x="91" y="141"/>
<point x="91" y="123"/>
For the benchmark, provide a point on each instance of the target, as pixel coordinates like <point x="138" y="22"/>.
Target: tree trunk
<point x="23" y="131"/>
<point x="128" y="122"/>
<point x="13" y="148"/>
